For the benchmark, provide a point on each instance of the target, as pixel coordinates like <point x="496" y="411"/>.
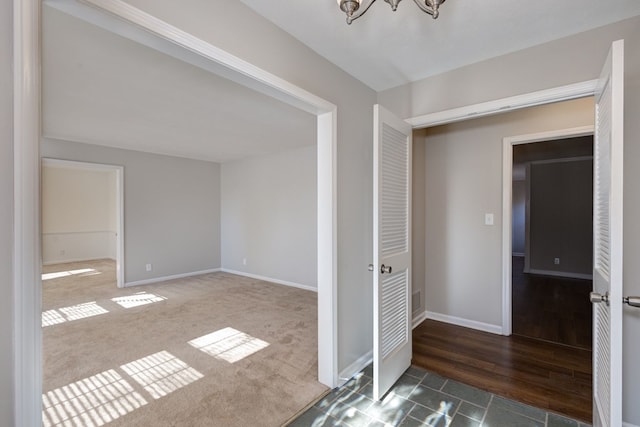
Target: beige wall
<point x="269" y="216"/>
<point x="568" y="60"/>
<point x="519" y="195"/>
<point x="78" y="213"/>
<point x="6" y="214"/>
<point x="462" y="182"/>
<point x="171" y="208"/>
<point x="560" y="217"/>
<point x="418" y="212"/>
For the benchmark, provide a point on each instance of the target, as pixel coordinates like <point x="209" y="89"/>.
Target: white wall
<point x="171" y="208"/>
<point x="269" y="216"/>
<point x="463" y="181"/>
<point x="6" y="214"/>
<point x="568" y="60"/>
<point x="78" y="213"/>
<point x="238" y="30"/>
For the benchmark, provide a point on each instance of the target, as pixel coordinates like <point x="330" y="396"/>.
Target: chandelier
<point x="351" y="7"/>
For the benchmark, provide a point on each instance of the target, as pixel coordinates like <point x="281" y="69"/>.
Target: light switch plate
<point x="488" y="219"/>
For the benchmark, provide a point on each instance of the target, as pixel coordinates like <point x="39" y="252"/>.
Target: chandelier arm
<point x="361" y="12"/>
<point x="431" y="10"/>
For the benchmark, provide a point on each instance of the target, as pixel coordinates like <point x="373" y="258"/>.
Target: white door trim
<point x="507" y="189"/>
<point x="26" y="263"/>
<point x="504" y="105"/>
<point x="26" y="290"/>
<point x="498" y="106"/>
<point x="119" y="171"/>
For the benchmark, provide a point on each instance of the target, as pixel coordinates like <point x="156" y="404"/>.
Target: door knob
<point x="632" y="301"/>
<point x="371" y="268"/>
<point x="385" y="269"/>
<point x="597" y="298"/>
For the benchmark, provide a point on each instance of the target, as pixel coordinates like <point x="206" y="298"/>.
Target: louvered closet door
<point x="607" y="233"/>
<point x="392" y="250"/>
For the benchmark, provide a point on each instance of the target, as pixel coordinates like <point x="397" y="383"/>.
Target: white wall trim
<point x="518" y="254"/>
<point x="547" y="96"/>
<point x="561" y="274"/>
<point x="270" y="279"/>
<point x="507" y="196"/>
<point x="26" y="286"/>
<point x="418" y="318"/>
<point x="459" y="321"/>
<point x="358" y="365"/>
<point x="171" y="277"/>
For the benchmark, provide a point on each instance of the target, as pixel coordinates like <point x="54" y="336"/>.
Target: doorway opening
<point x="552" y="235"/>
<point x="82" y="218"/>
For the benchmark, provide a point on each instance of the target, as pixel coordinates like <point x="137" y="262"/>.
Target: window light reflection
<point x="161" y="373"/>
<point x="141" y="298"/>
<point x="228" y="344"/>
<point x="82" y="311"/>
<point x="74" y="312"/>
<point x="59" y="274"/>
<point x="90" y="402"/>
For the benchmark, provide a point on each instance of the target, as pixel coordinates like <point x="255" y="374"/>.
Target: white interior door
<point x="607" y="233"/>
<point x="392" y="250"/>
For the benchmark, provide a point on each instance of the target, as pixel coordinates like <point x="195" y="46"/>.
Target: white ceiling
<point x="103" y="89"/>
<point x="384" y="49"/>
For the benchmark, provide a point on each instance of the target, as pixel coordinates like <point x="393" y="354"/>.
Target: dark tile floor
<point x="421" y="398"/>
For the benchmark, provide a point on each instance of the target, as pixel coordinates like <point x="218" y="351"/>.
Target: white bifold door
<point x="607" y="236"/>
<point x="391" y="250"/>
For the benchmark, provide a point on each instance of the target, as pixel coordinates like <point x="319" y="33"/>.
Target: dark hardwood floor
<point x="543" y="374"/>
<point x="549" y="308"/>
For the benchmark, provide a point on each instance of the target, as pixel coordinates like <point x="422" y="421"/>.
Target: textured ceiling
<point x="384" y="49"/>
<point x="103" y="89"/>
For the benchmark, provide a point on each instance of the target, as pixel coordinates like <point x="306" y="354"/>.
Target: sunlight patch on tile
<point x="74" y="312"/>
<point x="135" y="300"/>
<point x="228" y="344"/>
<point x="59" y="274"/>
<point x="161" y="373"/>
<point x="90" y="402"/>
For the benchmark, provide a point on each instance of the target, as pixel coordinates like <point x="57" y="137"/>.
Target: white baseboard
<point x="518" y="254"/>
<point x="480" y="326"/>
<point x="66" y="261"/>
<point x="560" y="274"/>
<point x="270" y="279"/>
<point x="624" y="424"/>
<point x="362" y="362"/>
<point x="418" y="318"/>
<point x="172" y="277"/>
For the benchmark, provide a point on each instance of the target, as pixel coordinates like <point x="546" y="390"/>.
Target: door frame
<point x="26" y="286"/>
<point x="507" y="209"/>
<point x="119" y="173"/>
<point x="547" y="96"/>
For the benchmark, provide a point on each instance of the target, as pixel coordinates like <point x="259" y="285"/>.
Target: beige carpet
<point x="210" y="350"/>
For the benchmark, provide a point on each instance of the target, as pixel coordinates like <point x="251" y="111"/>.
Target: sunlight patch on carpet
<point x="74" y="312"/>
<point x="90" y="402"/>
<point x="161" y="373"/>
<point x="228" y="344"/>
<point x="136" y="300"/>
<point x="58" y="274"/>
